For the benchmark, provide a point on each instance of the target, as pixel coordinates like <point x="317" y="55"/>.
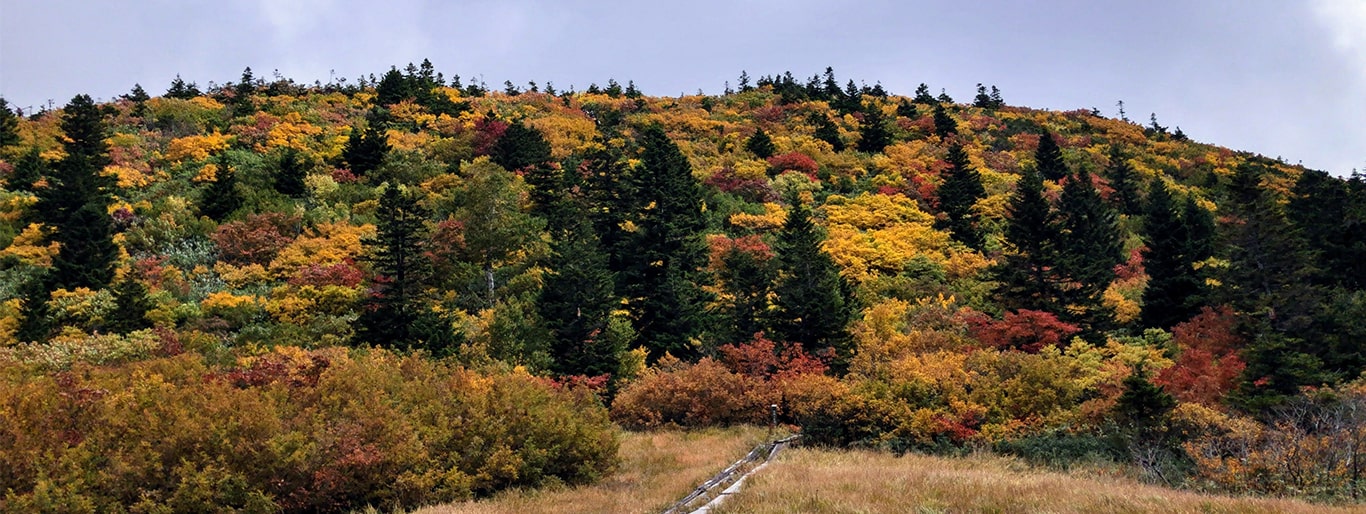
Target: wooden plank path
<point x="728" y="481"/>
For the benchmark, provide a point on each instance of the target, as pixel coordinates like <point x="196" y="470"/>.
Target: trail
<point x="729" y="480"/>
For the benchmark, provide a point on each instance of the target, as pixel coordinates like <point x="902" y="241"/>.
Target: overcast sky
<point x="1282" y="78"/>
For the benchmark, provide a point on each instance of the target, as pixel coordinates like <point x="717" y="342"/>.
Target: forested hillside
<point x="904" y="272"/>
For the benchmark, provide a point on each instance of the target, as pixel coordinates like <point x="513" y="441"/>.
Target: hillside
<point x="908" y="273"/>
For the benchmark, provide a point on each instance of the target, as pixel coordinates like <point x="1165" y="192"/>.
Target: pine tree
<point x="576" y="303"/>
<point x="75" y="202"/>
<point x="746" y="279"/>
<point x="9" y="125"/>
<point x="1143" y="405"/>
<point x="923" y="96"/>
<point x="667" y="274"/>
<point x="1092" y="246"/>
<point x="35" y="324"/>
<point x="30" y="168"/>
<point x="1048" y="159"/>
<point x="393" y="88"/>
<point x="960" y="191"/>
<point x="760" y="144"/>
<point x="365" y="149"/>
<point x="139" y="97"/>
<point x="982" y="100"/>
<point x="292" y="170"/>
<point x="1321" y="207"/>
<point x="402" y="272"/>
<point x="221" y="198"/>
<point x="180" y="90"/>
<point x="1173" y="283"/>
<point x="905" y="109"/>
<point x="827" y="131"/>
<point x="88" y="251"/>
<point x="810" y="305"/>
<point x="131" y="305"/>
<point x="873" y="133"/>
<point x="520" y="147"/>
<point x="944" y="125"/>
<point x="1026" y="274"/>
<point x="1124" y="181"/>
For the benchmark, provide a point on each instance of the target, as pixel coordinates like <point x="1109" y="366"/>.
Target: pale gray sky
<point x="1279" y="77"/>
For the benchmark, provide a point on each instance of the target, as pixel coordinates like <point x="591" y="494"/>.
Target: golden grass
<point x="821" y="481"/>
<point x="657" y="469"/>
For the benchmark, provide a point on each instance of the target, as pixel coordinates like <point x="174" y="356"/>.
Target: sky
<point x="1283" y="78"/>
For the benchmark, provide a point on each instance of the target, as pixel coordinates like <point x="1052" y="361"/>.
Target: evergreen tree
<point x="944" y="125"/>
<point x="1143" y="405"/>
<point x="180" y="90"/>
<point x="520" y="147"/>
<point x="365" y="149"/>
<point x="873" y="133"/>
<point x="996" y="101"/>
<point x="961" y="189"/>
<point x="242" y="93"/>
<point x="982" y="100"/>
<point x="393" y="88"/>
<point x="905" y="109"/>
<point x="30" y="168"/>
<point x="1173" y="284"/>
<point x="292" y="170"/>
<point x="1124" y="181"/>
<point x="131" y="305"/>
<point x="576" y="303"/>
<point x="810" y="305"/>
<point x="760" y="144"/>
<point x="9" y="125"/>
<point x="666" y="277"/>
<point x="747" y="280"/>
<point x="1322" y="208"/>
<point x="1048" y="159"/>
<point x="221" y="198"/>
<point x="35" y="324"/>
<point x="923" y="96"/>
<point x="1091" y="247"/>
<point x="827" y="131"/>
<point x="397" y="300"/>
<point x="139" y="97"/>
<point x="1026" y="273"/>
<point x="75" y="202"/>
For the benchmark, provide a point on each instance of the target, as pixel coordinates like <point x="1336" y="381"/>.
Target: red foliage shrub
<point x="256" y="239"/>
<point x="344" y="176"/>
<point x="1208" y="366"/>
<point x="1024" y="330"/>
<point x="761" y="358"/>
<point x="794" y="161"/>
<point x="344" y="274"/>
<point x="487" y="131"/>
<point x="749" y="189"/>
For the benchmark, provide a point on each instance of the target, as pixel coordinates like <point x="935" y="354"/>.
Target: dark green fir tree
<point x="74" y="205"/>
<point x="810" y="304"/>
<point x="1048" y="159"/>
<point x="131" y="305"/>
<point x="397" y="300"/>
<point x="221" y="198"/>
<point x="576" y="303"/>
<point x="944" y="125"/>
<point x="1174" y="285"/>
<point x="1091" y="246"/>
<point x="1026" y="274"/>
<point x="760" y="144"/>
<point x="30" y="169"/>
<point x="9" y="125"/>
<point x="291" y="171"/>
<point x="959" y="192"/>
<point x="1124" y="182"/>
<point x="873" y="133"/>
<point x="827" y="131"/>
<point x="35" y="322"/>
<point x="365" y="149"/>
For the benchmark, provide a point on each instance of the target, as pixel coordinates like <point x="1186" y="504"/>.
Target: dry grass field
<point x="657" y="468"/>
<point x="820" y="481"/>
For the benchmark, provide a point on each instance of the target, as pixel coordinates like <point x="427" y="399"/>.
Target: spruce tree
<point x="365" y="149"/>
<point x="944" y="125"/>
<point x="181" y="90"/>
<point x="35" y="324"/>
<point x="1143" y="406"/>
<point x="667" y="273"/>
<point x="74" y="205"/>
<point x="30" y="169"/>
<point x="402" y="271"/>
<point x="242" y="93"/>
<point x="221" y="198"/>
<point x="827" y="131"/>
<point x="393" y="88"/>
<point x="88" y="252"/>
<point x="760" y="144"/>
<point x="139" y="97"/>
<point x="131" y="305"/>
<point x="961" y="189"/>
<point x="1048" y="159"/>
<point x="1321" y="207"/>
<point x="747" y="279"/>
<point x="1026" y="274"/>
<point x="1092" y="245"/>
<point x="290" y="174"/>
<point x="576" y="302"/>
<point x="1173" y="283"/>
<point x="1124" y="181"/>
<point x="923" y="96"/>
<point x="520" y="147"/>
<point x="905" y="109"/>
<point x="9" y="125"/>
<point x="873" y="133"/>
<point x="810" y="305"/>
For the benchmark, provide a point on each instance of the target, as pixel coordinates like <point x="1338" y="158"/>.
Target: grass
<point x="824" y="481"/>
<point x="657" y="469"/>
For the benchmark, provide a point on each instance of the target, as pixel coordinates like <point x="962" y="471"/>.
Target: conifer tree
<point x="1173" y="284"/>
<point x="292" y="170"/>
<point x="365" y="149"/>
<point x="393" y="88"/>
<point x="982" y="100"/>
<point x="30" y="168"/>
<point x="827" y="131"/>
<point x="397" y="299"/>
<point x="1124" y="181"/>
<point x="923" y="96"/>
<point x="131" y="305"/>
<point x="35" y="324"/>
<point x="1092" y="246"/>
<point x="181" y="90"/>
<point x="960" y="191"/>
<point x="74" y="205"/>
<point x="1048" y="159"/>
<point x="139" y="97"/>
<point x="1026" y="274"/>
<point x="520" y="147"/>
<point x="1143" y="405"/>
<point x="811" y="307"/>
<point x="905" y="109"/>
<point x="666" y="277"/>
<point x="747" y="280"/>
<point x="9" y="125"/>
<point x="577" y="300"/>
<point x="873" y="133"/>
<point x="1323" y="209"/>
<point x="760" y="144"/>
<point x="221" y="198"/>
<point x="88" y="252"/>
<point x="944" y="125"/>
<point x="242" y="93"/>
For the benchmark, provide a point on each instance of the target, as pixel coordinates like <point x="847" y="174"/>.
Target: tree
<point x="9" y="125"/>
<point x="1174" y="285"/>
<point x="35" y="324"/>
<point x="811" y="308"/>
<point x="139" y="97"/>
<point x="1026" y="274"/>
<point x="746" y="278"/>
<point x="827" y="131"/>
<point x="393" y="88"/>
<point x="1324" y="209"/>
<point x="873" y="133"/>
<point x="760" y="144"/>
<point x="982" y="100"/>
<point x="905" y="109"/>
<point x="1048" y="159"/>
<point x="30" y="168"/>
<point x="576" y="303"/>
<point x="180" y="90"/>
<point x="402" y="272"/>
<point x="960" y="191"/>
<point x="290" y="174"/>
<point x="131" y="305"/>
<point x="365" y="149"/>
<point x="74" y="205"/>
<point x="88" y="251"/>
<point x="666" y="276"/>
<point x="221" y="198"/>
<point x="241" y="99"/>
<point x="1124" y="181"/>
<point x="1092" y="246"/>
<point x="1143" y="405"/>
<point x="501" y="238"/>
<point x="923" y="96"/>
<point x="944" y="125"/>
